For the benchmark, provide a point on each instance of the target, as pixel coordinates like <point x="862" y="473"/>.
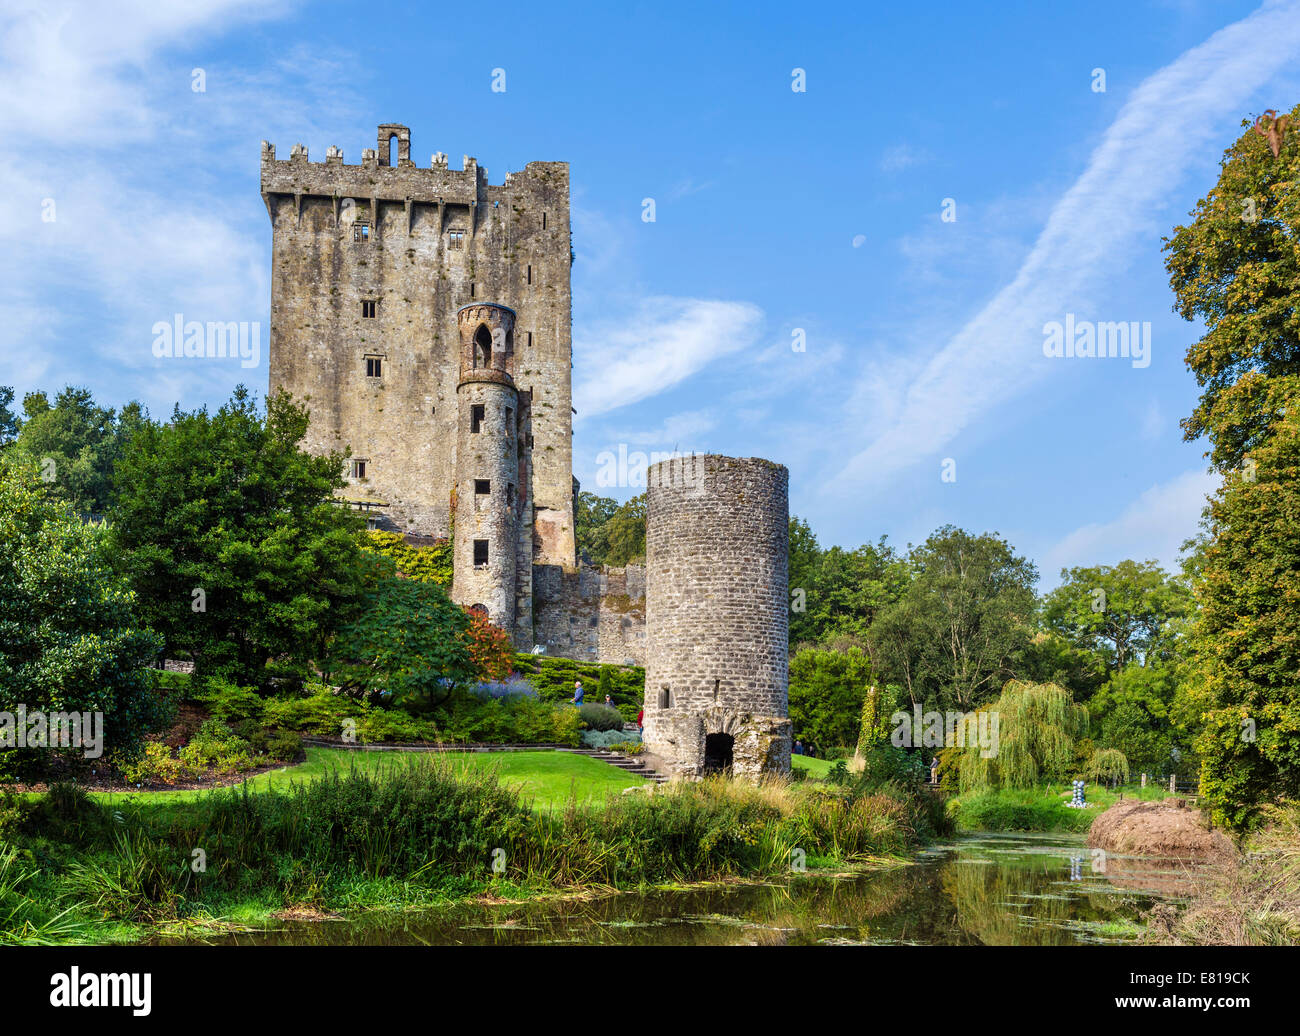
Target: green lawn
<point x="815" y="767"/>
<point x="546" y="779"/>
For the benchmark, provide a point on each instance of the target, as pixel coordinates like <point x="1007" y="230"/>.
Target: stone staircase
<point x="628" y="763"/>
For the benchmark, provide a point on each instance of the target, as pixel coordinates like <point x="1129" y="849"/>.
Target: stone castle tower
<point x="717" y="615"/>
<point x="424" y="315"/>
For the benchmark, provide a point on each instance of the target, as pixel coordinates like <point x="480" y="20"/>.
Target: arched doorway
<point x="717" y="753"/>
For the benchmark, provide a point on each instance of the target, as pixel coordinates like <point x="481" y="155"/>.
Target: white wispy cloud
<point x="1155" y="526"/>
<point x="902" y="156"/>
<point x="1168" y="122"/>
<point x="659" y="344"/>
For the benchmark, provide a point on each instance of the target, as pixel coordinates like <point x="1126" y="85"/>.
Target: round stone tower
<point x="487" y="463"/>
<point x="717" y="615"/>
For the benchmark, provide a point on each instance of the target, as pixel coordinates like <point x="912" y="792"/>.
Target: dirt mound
<point x="1157" y="829"/>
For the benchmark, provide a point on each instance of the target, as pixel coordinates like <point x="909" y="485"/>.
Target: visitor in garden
<point x="609" y="702"/>
<point x="640" y="722"/>
<point x="798" y="748"/>
<point x="577" y="692"/>
<point x="934" y="770"/>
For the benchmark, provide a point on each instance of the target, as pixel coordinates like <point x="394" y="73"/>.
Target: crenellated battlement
<point x="378" y="176"/>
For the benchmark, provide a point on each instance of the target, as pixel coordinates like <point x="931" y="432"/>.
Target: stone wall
<point x="591" y="614"/>
<point x="717" y="673"/>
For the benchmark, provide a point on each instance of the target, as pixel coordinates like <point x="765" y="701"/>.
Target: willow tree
<point x="1034" y="727"/>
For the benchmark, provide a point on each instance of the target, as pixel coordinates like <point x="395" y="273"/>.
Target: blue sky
<point x="775" y="210"/>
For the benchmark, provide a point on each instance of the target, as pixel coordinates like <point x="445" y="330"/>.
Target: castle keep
<point x="424" y="316"/>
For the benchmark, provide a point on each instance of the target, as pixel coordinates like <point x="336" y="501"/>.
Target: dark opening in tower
<point x="482" y="347"/>
<point x="717" y="752"/>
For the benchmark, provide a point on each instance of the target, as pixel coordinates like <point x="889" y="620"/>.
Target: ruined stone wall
<point x="717" y="531"/>
<point x="591" y="614"/>
<point x="420" y="243"/>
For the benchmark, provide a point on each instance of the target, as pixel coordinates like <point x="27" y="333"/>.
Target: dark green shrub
<point x="599" y="717"/>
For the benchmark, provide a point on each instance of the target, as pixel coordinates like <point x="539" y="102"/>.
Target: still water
<point x="1037" y="890"/>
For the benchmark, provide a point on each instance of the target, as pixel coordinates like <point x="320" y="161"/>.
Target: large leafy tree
<point x="610" y="533"/>
<point x="1248" y="633"/>
<point x="847" y="589"/>
<point x="826" y="693"/>
<point x="953" y="637"/>
<point x="408" y="644"/>
<point x="1236" y="266"/>
<point x="1123" y="612"/>
<point x="70" y="634"/>
<point x="77" y="443"/>
<point x="233" y="541"/>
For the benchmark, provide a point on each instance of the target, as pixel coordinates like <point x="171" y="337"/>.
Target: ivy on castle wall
<point x="425" y="564"/>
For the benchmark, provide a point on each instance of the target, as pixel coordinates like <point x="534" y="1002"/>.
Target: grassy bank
<point x="1041" y="808"/>
<point x="545" y="779"/>
<point x="403" y="831"/>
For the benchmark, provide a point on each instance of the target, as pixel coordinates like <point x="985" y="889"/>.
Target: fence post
<point x="1173" y="784"/>
<point x="1144" y="780"/>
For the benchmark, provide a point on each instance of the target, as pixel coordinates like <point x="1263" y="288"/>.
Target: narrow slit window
<point x="510" y="495"/>
<point x="543" y="220"/>
<point x="530" y="339"/>
<point x="482" y="486"/>
<point x="530" y="275"/>
<point x="368" y="308"/>
<point x="480" y="552"/>
<point x="665" y="698"/>
<point x="477" y="412"/>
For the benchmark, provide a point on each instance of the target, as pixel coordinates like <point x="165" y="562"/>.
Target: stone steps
<point x="627" y="763"/>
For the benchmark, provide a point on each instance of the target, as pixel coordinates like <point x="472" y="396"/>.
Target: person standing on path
<point x="577" y="692"/>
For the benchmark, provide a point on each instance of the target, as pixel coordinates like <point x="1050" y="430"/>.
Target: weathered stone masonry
<point x="717" y="673"/>
<point x="371" y="264"/>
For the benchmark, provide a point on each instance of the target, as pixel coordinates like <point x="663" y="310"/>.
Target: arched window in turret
<point x="482" y="347"/>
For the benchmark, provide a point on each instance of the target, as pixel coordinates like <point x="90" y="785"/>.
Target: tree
<point x="9" y="421"/>
<point x="953" y="636"/>
<point x="82" y="439"/>
<point x="1037" y="728"/>
<point x="1122" y="612"/>
<point x="591" y="512"/>
<point x="233" y="541"/>
<point x="847" y="589"/>
<point x="625" y="534"/>
<point x="1134" y="714"/>
<point x="70" y="634"/>
<point x="408" y="644"/>
<point x="1247" y="633"/>
<point x="827" y="689"/>
<point x="1236" y="266"/>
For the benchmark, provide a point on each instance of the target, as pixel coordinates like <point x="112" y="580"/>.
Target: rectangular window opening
<point x="374" y="367"/>
<point x="477" y="412"/>
<point x="482" y="486"/>
<point x="360" y="231"/>
<point x="456" y="239"/>
<point x="368" y="307"/>
<point x="530" y="275"/>
<point x="480" y="552"/>
<point x="358" y="468"/>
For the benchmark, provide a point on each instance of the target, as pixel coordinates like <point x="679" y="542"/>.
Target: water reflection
<point x="989" y="890"/>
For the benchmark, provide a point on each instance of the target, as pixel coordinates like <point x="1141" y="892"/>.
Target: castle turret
<point x="487" y="463"/>
<point x="717" y="674"/>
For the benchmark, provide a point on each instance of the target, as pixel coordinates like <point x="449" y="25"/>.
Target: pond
<point x="1039" y="890"/>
